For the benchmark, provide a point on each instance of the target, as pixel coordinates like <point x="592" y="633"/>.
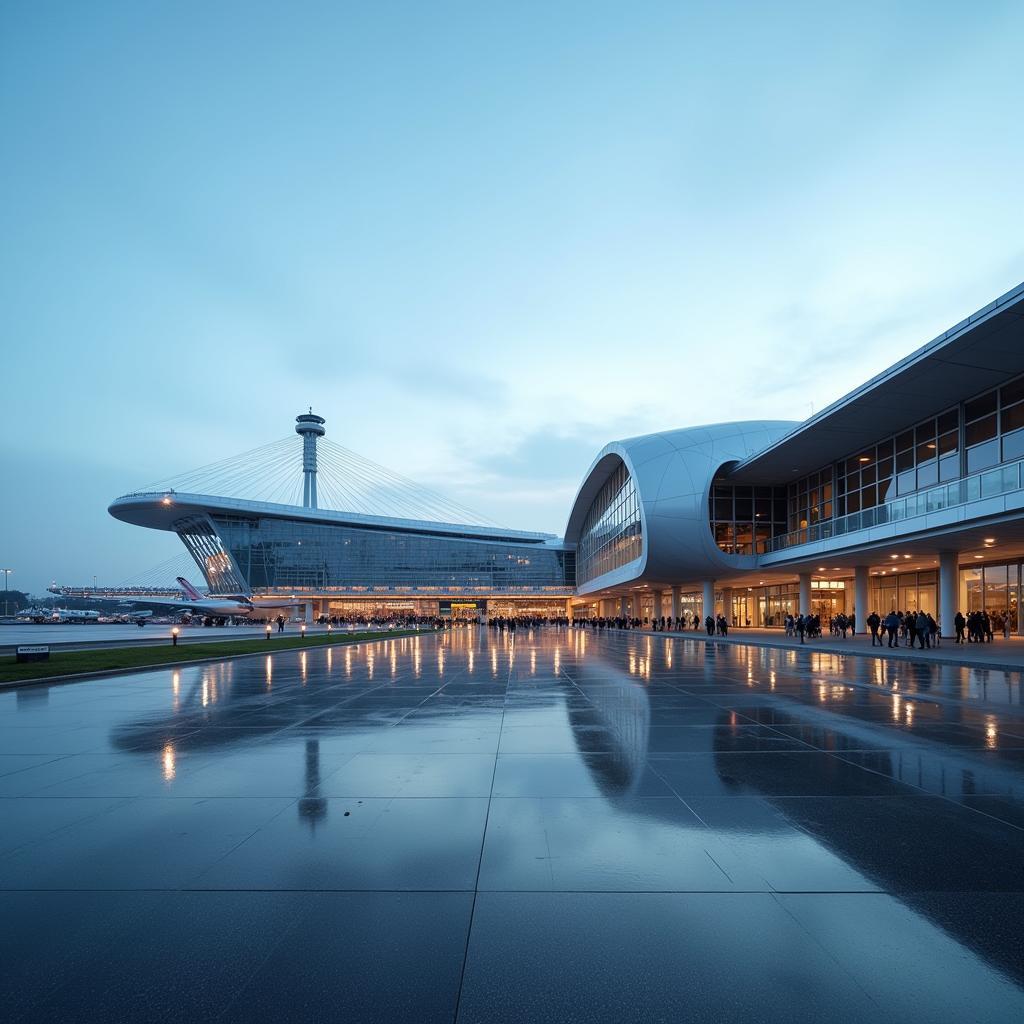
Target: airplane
<point x="72" y="615"/>
<point x="219" y="607"/>
<point x="228" y="606"/>
<point x="138" y="617"/>
<point x="36" y="614"/>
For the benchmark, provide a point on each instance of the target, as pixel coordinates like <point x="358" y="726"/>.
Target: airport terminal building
<point x="905" y="494"/>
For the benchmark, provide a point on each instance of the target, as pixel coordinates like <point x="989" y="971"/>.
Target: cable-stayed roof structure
<point x="303" y="514"/>
<point x="345" y="482"/>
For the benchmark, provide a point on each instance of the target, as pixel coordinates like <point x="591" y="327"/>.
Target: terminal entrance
<point x="465" y="611"/>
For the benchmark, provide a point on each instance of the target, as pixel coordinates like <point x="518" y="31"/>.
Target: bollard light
<point x="268" y="630"/>
<point x="329" y="627"/>
<point x="302" y="630"/>
<point x="174" y="636"/>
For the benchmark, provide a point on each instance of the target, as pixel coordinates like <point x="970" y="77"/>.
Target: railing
<point x="988" y="484"/>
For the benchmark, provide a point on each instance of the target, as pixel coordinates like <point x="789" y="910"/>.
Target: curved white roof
<point x="672" y="472"/>
<point x="161" y="510"/>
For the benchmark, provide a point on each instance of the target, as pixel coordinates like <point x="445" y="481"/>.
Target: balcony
<point x="990" y="483"/>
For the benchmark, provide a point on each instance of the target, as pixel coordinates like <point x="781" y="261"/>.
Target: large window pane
<point x="982" y="456"/>
<point x="1012" y="418"/>
<point x="1013" y="446"/>
<point x="981" y="430"/>
<point x="979" y="407"/>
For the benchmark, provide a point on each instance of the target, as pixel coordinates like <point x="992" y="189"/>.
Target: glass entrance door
<point x="465" y="612"/>
<point x="743" y="610"/>
<point x="828" y="604"/>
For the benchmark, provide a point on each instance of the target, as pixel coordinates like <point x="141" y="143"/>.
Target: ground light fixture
<point x="329" y="627"/>
<point x="174" y="636"/>
<point x="268" y="630"/>
<point x="302" y="630"/>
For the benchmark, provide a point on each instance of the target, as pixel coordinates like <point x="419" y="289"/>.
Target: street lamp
<point x="6" y="572"/>
<point x="302" y="630"/>
<point x="268" y="630"/>
<point x="174" y="637"/>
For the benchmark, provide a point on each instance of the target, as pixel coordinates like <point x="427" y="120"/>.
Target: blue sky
<point x="481" y="239"/>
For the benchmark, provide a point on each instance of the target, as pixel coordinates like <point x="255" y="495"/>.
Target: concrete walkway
<point x="1001" y="653"/>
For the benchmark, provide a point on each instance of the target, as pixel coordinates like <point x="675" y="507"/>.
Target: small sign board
<point x="33" y="652"/>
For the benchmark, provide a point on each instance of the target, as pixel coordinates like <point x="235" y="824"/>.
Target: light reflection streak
<point x="991" y="732"/>
<point x="169" y="767"/>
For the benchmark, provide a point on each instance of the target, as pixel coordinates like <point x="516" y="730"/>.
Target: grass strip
<point x="68" y="663"/>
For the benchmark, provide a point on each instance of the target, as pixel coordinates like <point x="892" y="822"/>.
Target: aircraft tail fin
<point x="190" y="592"/>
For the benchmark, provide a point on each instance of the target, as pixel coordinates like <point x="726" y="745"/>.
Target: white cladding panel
<point x="672" y="472"/>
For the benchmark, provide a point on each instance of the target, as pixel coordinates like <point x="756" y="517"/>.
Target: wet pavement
<point x="569" y="826"/>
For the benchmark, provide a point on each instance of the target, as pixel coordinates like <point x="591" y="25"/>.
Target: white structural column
<point x="805" y="593"/>
<point x="727" y="604"/>
<point x="657" y="613"/>
<point x="308" y="617"/>
<point x="860" y="597"/>
<point x="948" y="591"/>
<point x="709" y="599"/>
<point x="676" y="603"/>
<point x="624" y="607"/>
<point x="634" y="607"/>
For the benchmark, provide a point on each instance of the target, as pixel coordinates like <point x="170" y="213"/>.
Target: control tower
<point x="310" y="426"/>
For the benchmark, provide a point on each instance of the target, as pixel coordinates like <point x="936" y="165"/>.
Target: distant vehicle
<point x="67" y="615"/>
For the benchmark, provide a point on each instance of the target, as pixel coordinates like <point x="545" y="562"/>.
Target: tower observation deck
<point x="309" y="427"/>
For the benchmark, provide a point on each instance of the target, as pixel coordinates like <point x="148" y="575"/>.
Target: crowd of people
<point x="977" y="627"/>
<point x="514" y="622"/>
<point x="896" y="629"/>
<point x="659" y="624"/>
<point x="910" y="627"/>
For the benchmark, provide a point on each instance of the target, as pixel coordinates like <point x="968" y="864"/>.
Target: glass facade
<point x="287" y="554"/>
<point x="744" y="519"/>
<point x="904" y="592"/>
<point x="204" y="545"/>
<point x="978" y="434"/>
<point x="995" y="589"/>
<point x="988" y="484"/>
<point x="611" y="536"/>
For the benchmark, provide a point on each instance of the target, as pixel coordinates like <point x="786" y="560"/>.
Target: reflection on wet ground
<point x="565" y="827"/>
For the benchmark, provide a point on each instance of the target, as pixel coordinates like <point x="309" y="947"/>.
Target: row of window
<point x="611" y="533"/>
<point x="744" y="519"/>
<point x="277" y="553"/>
<point x="985" y="431"/>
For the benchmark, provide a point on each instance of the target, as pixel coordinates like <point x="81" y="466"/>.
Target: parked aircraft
<point x="73" y="615"/>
